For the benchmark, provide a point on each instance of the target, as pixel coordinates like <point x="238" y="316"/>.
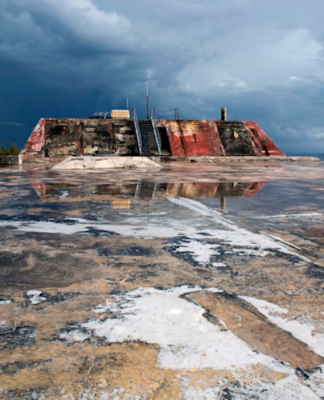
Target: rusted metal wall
<point x="218" y="138"/>
<point x="193" y="138"/>
<point x="265" y="144"/>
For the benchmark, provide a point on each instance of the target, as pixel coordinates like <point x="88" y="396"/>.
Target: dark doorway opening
<point x="165" y="144"/>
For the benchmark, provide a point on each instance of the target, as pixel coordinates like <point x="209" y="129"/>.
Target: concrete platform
<point x="197" y="281"/>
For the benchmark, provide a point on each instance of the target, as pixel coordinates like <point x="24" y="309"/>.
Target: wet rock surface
<point x="195" y="282"/>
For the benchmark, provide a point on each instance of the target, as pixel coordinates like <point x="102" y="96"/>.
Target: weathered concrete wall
<point x="237" y="140"/>
<point x="36" y="140"/>
<point x="10" y="160"/>
<point x="75" y="137"/>
<point x="218" y="138"/>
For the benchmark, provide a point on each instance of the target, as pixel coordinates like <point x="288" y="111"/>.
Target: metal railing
<point x="138" y="131"/>
<point x="166" y="114"/>
<point x="156" y="133"/>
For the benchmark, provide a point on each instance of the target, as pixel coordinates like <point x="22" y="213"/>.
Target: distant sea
<point x="319" y="155"/>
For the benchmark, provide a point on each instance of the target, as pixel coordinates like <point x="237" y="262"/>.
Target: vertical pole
<point x="224" y="114"/>
<point x="147" y="102"/>
<point x="127" y="103"/>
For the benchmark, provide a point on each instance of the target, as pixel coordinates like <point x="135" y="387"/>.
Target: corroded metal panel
<point x="175" y="137"/>
<point x="193" y="138"/>
<point x="266" y="145"/>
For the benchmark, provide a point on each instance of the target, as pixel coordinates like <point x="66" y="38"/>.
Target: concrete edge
<point x="211" y="159"/>
<point x="229" y="159"/>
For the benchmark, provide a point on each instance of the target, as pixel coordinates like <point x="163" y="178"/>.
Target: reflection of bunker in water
<point x="123" y="195"/>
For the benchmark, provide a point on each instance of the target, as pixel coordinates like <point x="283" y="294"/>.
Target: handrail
<point x="156" y="133"/>
<point x="138" y="131"/>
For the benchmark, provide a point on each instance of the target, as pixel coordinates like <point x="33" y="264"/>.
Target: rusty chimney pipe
<point x="224" y="114"/>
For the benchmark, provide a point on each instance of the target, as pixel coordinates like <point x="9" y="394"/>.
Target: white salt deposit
<point x="286" y="389"/>
<point x="89" y="162"/>
<point x="75" y="335"/>
<point x="64" y="194"/>
<point x="226" y="232"/>
<point x="302" y="330"/>
<point x="232" y="234"/>
<point x="35" y="296"/>
<point x="186" y="338"/>
<point x="102" y="308"/>
<point x="201" y="252"/>
<point x="316" y="382"/>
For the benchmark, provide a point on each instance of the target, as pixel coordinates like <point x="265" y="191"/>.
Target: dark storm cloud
<point x="261" y="58"/>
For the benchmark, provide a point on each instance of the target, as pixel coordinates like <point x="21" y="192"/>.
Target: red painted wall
<point x="265" y="144"/>
<point x="36" y="140"/>
<point x="193" y="138"/>
<point x="202" y="138"/>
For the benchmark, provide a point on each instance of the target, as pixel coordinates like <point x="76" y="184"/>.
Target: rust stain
<point x="194" y="138"/>
<point x="36" y="141"/>
<point x="265" y="144"/>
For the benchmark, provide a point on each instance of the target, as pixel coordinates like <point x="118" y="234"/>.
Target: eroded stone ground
<point x="195" y="282"/>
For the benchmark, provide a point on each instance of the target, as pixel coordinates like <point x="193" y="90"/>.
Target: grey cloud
<point x="261" y="58"/>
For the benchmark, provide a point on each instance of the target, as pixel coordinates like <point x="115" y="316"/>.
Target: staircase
<point x="148" y="138"/>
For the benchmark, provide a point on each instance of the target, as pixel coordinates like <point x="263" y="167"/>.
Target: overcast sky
<point x="262" y="59"/>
